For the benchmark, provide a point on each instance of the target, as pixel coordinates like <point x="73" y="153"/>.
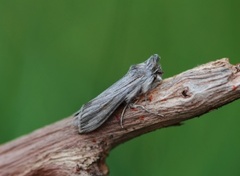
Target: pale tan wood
<point x="58" y="149"/>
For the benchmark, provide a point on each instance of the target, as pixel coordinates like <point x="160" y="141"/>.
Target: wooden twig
<point x="59" y="150"/>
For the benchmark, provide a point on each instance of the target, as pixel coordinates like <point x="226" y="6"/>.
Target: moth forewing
<point x="140" y="78"/>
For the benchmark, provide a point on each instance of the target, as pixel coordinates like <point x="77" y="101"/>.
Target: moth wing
<point x="97" y="111"/>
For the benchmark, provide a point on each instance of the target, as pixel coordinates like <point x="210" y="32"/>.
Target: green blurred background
<point x="56" y="55"/>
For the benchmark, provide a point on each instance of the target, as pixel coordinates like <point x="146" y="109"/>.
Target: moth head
<point x="149" y="67"/>
<point x="153" y="66"/>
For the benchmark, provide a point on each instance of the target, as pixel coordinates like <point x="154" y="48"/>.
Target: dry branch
<point x="59" y="150"/>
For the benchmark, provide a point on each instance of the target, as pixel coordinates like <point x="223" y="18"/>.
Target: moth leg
<point x="133" y="105"/>
<point x="128" y="104"/>
<point x="122" y="114"/>
<point x="145" y="109"/>
<point x="145" y="98"/>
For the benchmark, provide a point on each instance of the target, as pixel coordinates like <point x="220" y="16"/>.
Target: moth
<point x="139" y="79"/>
